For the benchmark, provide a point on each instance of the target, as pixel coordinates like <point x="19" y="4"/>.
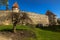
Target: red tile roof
<point x="15" y="5"/>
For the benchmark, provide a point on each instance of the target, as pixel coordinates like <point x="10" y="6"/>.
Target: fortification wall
<point x="5" y="18"/>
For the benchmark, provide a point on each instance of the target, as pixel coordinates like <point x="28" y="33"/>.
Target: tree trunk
<point x="6" y="6"/>
<point x="14" y="27"/>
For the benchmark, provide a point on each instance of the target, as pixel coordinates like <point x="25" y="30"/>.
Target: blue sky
<point x="37" y="6"/>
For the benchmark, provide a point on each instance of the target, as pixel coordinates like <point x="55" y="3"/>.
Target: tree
<point x="17" y="17"/>
<point x="25" y="19"/>
<point x="15" y="20"/>
<point x="58" y="21"/>
<point x="5" y="3"/>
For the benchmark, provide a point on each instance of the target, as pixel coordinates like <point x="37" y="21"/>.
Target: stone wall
<point x="5" y="18"/>
<point x="38" y="18"/>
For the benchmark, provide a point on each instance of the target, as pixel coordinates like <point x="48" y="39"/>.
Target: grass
<point x="41" y="34"/>
<point x="47" y="35"/>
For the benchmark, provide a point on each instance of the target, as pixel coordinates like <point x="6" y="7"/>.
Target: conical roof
<point x="50" y="13"/>
<point x="15" y="5"/>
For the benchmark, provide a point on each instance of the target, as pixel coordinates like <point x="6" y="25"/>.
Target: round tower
<point x="15" y="7"/>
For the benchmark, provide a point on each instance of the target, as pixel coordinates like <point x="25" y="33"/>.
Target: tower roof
<point x="50" y="13"/>
<point x="15" y="5"/>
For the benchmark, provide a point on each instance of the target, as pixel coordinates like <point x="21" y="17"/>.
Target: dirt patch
<point x="19" y="35"/>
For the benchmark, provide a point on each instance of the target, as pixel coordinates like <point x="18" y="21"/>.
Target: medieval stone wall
<point x="5" y="18"/>
<point x="38" y="18"/>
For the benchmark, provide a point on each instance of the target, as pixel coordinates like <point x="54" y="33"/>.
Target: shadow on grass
<point x="11" y="30"/>
<point x="54" y="28"/>
<point x="6" y="30"/>
<point x="20" y="32"/>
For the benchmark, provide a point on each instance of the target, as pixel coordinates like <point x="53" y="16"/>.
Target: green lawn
<point x="40" y="33"/>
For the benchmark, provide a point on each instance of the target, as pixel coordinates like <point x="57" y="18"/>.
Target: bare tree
<point x="5" y="3"/>
<point x="17" y="17"/>
<point x="25" y="19"/>
<point x="15" y="20"/>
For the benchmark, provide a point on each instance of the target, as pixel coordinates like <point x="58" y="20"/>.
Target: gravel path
<point x="19" y="35"/>
<point x="2" y="37"/>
